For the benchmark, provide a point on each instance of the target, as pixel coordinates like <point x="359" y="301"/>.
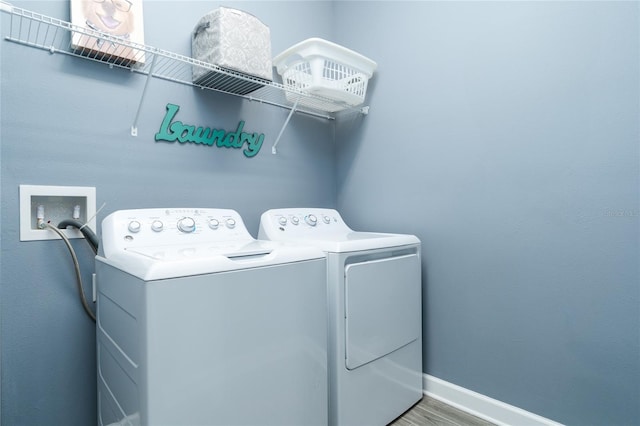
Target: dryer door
<point x="383" y="307"/>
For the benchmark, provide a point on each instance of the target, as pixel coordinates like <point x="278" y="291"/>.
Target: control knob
<point x="311" y="220"/>
<point x="134" y="226"/>
<point x="214" y="223"/>
<point x="186" y="225"/>
<point x="157" y="225"/>
<point x="282" y="220"/>
<point x="326" y="219"/>
<point x="295" y="220"/>
<point x="230" y="222"/>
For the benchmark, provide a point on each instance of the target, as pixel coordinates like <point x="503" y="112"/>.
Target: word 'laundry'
<point x="171" y="131"/>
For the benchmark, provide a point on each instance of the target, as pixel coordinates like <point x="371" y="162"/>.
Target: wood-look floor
<point x="431" y="412"/>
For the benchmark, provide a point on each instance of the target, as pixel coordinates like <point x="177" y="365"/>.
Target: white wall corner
<point x="482" y="406"/>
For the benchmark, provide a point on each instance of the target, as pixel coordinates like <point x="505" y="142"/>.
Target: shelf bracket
<point x="286" y="122"/>
<point x="134" y="126"/>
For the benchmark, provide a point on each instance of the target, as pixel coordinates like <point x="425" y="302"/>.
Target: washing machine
<point x="375" y="313"/>
<point x="198" y="323"/>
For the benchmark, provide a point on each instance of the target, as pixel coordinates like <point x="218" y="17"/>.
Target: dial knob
<point x="134" y="226"/>
<point x="157" y="225"/>
<point x="214" y="223"/>
<point x="295" y="220"/>
<point x="311" y="220"/>
<point x="186" y="225"/>
<point x="282" y="220"/>
<point x="230" y="222"/>
<point x="326" y="219"/>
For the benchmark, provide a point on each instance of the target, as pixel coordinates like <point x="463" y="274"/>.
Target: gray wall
<point x="505" y="135"/>
<point x="65" y="121"/>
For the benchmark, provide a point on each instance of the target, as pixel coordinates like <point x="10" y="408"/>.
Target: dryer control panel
<point x="125" y="229"/>
<point x="325" y="229"/>
<point x="305" y="222"/>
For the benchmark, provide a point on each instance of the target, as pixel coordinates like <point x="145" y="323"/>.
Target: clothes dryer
<point x="198" y="323"/>
<point x="375" y="313"/>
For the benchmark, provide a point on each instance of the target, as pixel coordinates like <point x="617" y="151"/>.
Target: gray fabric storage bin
<point x="237" y="42"/>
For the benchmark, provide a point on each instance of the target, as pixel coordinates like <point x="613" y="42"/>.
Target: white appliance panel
<point x="382" y="307"/>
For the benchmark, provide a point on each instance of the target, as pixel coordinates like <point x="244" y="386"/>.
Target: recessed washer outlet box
<point x="57" y="203"/>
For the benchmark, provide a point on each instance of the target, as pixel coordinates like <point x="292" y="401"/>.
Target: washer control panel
<point x="302" y="222"/>
<point x="171" y="226"/>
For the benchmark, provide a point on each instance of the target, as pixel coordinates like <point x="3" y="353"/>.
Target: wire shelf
<point x="57" y="36"/>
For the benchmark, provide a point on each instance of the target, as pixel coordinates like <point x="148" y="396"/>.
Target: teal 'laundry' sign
<point x="172" y="130"/>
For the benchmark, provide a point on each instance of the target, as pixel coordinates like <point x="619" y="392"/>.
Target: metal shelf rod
<point x="274" y="151"/>
<point x="134" y="126"/>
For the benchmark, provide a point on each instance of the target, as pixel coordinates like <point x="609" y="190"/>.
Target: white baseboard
<point x="486" y="408"/>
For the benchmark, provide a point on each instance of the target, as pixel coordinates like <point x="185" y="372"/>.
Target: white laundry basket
<point x="319" y="67"/>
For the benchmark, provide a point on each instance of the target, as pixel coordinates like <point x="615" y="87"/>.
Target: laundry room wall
<point x="66" y="121"/>
<point x="505" y="135"/>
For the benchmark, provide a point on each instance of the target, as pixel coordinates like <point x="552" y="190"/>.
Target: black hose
<point x="89" y="235"/>
<point x="76" y="265"/>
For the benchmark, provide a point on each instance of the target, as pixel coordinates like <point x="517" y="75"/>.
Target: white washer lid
<point x="150" y="264"/>
<point x="230" y="249"/>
